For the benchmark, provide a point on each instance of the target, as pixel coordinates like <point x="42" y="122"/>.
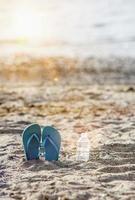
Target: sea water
<point x="74" y="27"/>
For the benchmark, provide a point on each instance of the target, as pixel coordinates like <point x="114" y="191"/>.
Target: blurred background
<point x="88" y="35"/>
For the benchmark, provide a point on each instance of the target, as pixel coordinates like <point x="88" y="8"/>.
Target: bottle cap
<point x="84" y="134"/>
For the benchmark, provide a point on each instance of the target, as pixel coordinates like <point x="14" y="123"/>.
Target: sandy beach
<point x="103" y="104"/>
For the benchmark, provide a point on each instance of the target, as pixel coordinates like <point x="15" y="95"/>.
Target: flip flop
<point x="51" y="141"/>
<point x="31" y="141"/>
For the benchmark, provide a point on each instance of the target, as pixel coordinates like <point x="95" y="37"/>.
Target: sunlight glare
<point x="27" y="25"/>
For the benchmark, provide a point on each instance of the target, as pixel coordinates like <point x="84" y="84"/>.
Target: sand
<point x="106" y="111"/>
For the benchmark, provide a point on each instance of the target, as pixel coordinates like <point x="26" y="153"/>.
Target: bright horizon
<point x="78" y="26"/>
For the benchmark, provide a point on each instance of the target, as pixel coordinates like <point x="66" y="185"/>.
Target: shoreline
<point x="90" y="70"/>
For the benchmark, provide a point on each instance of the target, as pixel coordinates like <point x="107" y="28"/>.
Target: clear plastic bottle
<point x="83" y="148"/>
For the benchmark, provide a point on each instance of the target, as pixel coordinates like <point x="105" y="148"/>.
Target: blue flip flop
<point x="31" y="141"/>
<point x="51" y="141"/>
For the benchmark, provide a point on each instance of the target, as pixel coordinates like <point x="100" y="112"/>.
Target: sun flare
<point x="27" y="24"/>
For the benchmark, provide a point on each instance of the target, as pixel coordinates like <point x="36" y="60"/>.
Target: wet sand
<point x="73" y="105"/>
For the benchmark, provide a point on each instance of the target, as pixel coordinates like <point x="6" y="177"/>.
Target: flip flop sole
<point x="31" y="141"/>
<point x="52" y="141"/>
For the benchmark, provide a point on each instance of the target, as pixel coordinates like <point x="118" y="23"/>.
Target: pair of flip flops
<point x="50" y="140"/>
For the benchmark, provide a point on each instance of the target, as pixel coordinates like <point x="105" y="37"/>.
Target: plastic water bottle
<point x="83" y="148"/>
